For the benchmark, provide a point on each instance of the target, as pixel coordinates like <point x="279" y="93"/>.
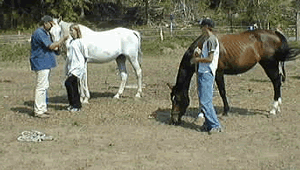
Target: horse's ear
<point x="170" y="86"/>
<point x="59" y="19"/>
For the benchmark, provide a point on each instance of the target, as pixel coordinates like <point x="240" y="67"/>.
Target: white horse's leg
<point x="123" y="73"/>
<point x="138" y="71"/>
<point x="83" y="88"/>
<point x="276" y="107"/>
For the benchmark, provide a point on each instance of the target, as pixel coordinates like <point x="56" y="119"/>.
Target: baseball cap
<point x="46" y="18"/>
<point x="207" y="22"/>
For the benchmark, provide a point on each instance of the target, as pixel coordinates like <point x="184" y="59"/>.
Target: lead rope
<point x="199" y="51"/>
<point x="34" y="136"/>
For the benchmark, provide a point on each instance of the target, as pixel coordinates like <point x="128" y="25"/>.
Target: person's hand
<point x="195" y="60"/>
<point x="196" y="54"/>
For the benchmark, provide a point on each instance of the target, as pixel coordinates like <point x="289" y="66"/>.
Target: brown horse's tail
<point x="285" y="53"/>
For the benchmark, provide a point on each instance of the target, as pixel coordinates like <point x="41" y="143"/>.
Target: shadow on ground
<point x="163" y="115"/>
<point x="260" y="80"/>
<point x="56" y="103"/>
<point x="100" y="95"/>
<point x="23" y="110"/>
<point x="295" y="77"/>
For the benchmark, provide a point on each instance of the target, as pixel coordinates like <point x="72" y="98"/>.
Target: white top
<point x="210" y="45"/>
<point x="76" y="58"/>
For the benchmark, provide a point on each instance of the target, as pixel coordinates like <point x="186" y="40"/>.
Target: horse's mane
<point x="66" y="25"/>
<point x="186" y="69"/>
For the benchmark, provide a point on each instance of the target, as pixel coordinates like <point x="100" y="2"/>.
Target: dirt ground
<point x="113" y="134"/>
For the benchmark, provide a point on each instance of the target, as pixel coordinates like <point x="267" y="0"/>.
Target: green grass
<point x="14" y="52"/>
<point x="156" y="46"/>
<point x="20" y="52"/>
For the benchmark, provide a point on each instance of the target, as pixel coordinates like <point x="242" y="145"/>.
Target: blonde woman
<point x="76" y="60"/>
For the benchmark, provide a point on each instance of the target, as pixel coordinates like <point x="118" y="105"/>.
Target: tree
<point x="71" y="10"/>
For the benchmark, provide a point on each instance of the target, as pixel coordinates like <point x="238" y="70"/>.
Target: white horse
<point x="117" y="44"/>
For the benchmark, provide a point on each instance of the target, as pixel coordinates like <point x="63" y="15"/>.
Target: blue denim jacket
<point x="41" y="56"/>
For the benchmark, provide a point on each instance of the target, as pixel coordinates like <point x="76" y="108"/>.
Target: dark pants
<point x="73" y="93"/>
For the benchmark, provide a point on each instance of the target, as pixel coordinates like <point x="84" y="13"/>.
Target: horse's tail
<point x="140" y="53"/>
<point x="285" y="53"/>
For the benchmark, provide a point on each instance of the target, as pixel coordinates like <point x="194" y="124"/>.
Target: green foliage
<point x="66" y="9"/>
<point x="262" y="12"/>
<point x="273" y="11"/>
<point x="167" y="4"/>
<point x="14" y="52"/>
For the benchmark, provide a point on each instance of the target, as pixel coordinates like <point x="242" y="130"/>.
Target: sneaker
<point x="74" y="109"/>
<point x="200" y="115"/>
<point x="69" y="108"/>
<point x="42" y="116"/>
<point x="215" y="130"/>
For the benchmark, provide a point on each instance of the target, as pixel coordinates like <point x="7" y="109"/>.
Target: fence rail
<point x="9" y="39"/>
<point x="157" y="33"/>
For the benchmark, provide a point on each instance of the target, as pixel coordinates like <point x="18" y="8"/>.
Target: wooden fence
<point x="17" y="39"/>
<point x="156" y="33"/>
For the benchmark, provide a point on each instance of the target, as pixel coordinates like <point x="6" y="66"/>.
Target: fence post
<point x="171" y="25"/>
<point x="161" y="34"/>
<point x="298" y="27"/>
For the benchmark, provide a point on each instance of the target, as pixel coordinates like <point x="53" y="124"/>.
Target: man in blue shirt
<point x="42" y="60"/>
<point x="208" y="62"/>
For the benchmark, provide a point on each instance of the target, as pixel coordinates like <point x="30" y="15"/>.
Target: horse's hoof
<point x="117" y="96"/>
<point x="273" y="112"/>
<point x="85" y="101"/>
<point x="175" y="123"/>
<point x="138" y="95"/>
<point x="225" y="114"/>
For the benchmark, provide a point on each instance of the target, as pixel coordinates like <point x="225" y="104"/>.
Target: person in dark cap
<point x="207" y="22"/>
<point x="42" y="60"/>
<point x="207" y="60"/>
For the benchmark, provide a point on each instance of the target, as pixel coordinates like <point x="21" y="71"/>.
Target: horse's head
<point x="56" y="30"/>
<point x="179" y="92"/>
<point x="59" y="30"/>
<point x="180" y="102"/>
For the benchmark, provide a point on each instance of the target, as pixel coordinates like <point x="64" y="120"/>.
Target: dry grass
<point x="117" y="134"/>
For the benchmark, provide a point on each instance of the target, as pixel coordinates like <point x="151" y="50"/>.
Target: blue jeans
<point x="205" y="89"/>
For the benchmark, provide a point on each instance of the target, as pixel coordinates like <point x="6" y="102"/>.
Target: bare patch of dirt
<point x="132" y="133"/>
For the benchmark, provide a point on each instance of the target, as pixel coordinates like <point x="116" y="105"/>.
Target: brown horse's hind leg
<point x="271" y="68"/>
<point x="221" y="86"/>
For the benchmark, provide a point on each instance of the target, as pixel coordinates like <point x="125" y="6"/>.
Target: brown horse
<point x="238" y="54"/>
